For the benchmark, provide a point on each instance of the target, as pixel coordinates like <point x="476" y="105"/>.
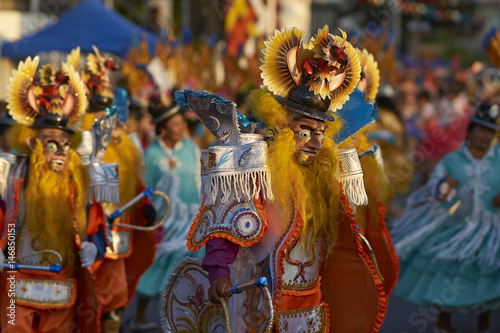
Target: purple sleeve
<point x="219" y="253"/>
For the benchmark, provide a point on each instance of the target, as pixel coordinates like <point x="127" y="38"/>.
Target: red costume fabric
<point x="40" y="315"/>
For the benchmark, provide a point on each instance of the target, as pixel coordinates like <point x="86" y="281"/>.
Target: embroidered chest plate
<point x="307" y="320"/>
<point x="301" y="269"/>
<point x="28" y="255"/>
<point x="45" y="293"/>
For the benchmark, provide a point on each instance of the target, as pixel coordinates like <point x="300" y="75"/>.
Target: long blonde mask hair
<point x="49" y="215"/>
<point x="314" y="187"/>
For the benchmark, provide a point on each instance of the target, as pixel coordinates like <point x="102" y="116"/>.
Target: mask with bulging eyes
<point x="56" y="146"/>
<point x="309" y="134"/>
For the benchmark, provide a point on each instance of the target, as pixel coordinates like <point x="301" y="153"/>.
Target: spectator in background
<point x="427" y="111"/>
<point x="449" y="235"/>
<point x="173" y="167"/>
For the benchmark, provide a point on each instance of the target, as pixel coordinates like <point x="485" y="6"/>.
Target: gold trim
<point x="305" y="285"/>
<point x="67" y="287"/>
<point x="317" y="312"/>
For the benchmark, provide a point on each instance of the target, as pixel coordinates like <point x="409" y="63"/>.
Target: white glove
<point x="88" y="253"/>
<point x="2" y="260"/>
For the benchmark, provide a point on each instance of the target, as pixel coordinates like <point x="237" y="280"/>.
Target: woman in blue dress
<point x="173" y="167"/>
<point x="448" y="242"/>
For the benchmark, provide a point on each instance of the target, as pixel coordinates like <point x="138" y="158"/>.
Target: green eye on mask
<point x="305" y="134"/>
<point x="52" y="147"/>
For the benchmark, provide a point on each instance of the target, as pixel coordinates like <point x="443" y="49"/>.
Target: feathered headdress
<point x="311" y="78"/>
<point x="96" y="77"/>
<point x="370" y="73"/>
<point x="492" y="45"/>
<point x="55" y="100"/>
<point x="73" y="58"/>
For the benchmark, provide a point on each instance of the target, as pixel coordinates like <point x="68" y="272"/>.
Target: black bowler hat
<point x="300" y="99"/>
<point x="162" y="110"/>
<point x="487" y="115"/>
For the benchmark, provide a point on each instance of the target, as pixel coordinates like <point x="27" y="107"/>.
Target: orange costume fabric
<point x="354" y="289"/>
<point x="371" y="219"/>
<point x="118" y="273"/>
<point x="74" y="311"/>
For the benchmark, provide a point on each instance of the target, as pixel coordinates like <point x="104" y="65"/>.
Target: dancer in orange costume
<point x="44" y="220"/>
<point x="119" y="271"/>
<point x="370" y="215"/>
<point x="277" y="211"/>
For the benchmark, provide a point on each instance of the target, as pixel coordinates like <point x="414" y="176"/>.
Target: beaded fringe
<point x="103" y="193"/>
<point x="354" y="189"/>
<point x="242" y="185"/>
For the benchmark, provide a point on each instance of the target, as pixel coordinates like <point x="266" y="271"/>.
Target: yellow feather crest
<point x="77" y="90"/>
<point x="353" y="73"/>
<point x="20" y="85"/>
<point x="275" y="73"/>
<point x="73" y="58"/>
<point x="328" y="65"/>
<point x="57" y="92"/>
<point x="372" y="74"/>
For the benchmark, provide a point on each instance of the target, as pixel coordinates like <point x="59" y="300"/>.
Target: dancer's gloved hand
<point x="217" y="289"/>
<point x="446" y="189"/>
<point x="496" y="201"/>
<point x="88" y="253"/>
<point x="149" y="213"/>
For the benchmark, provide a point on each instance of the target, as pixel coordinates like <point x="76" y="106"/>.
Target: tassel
<point x="354" y="189"/>
<point x="242" y="186"/>
<point x="6" y="160"/>
<point x="103" y="193"/>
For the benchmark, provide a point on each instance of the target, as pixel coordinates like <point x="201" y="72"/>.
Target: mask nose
<point x="315" y="142"/>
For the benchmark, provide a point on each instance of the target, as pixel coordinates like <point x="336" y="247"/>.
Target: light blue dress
<point x="181" y="182"/>
<point x="450" y="257"/>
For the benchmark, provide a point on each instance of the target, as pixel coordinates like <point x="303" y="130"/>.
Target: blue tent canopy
<point x="90" y="22"/>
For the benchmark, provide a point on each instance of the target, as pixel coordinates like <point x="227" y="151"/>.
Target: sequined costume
<point x="43" y="207"/>
<point x="255" y="221"/>
<point x="119" y="271"/>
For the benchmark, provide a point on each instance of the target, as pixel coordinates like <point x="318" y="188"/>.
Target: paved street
<point x="402" y="317"/>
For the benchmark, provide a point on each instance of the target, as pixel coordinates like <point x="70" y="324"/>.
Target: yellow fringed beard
<point x="48" y="215"/>
<point x="129" y="160"/>
<point x="314" y="187"/>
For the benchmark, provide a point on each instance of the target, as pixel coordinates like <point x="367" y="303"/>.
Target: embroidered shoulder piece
<point x="241" y="222"/>
<point x="236" y="172"/>
<point x="103" y="177"/>
<point x="350" y="176"/>
<point x="235" y="176"/>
